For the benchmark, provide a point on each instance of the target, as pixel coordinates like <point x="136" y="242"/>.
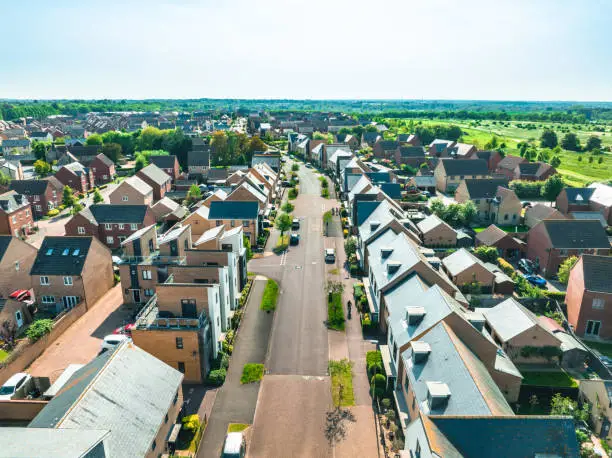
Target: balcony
<point x="149" y="318"/>
<point x="154" y="259"/>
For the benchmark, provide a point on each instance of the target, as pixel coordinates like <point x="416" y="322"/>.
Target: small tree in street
<point x="97" y="197"/>
<point x="68" y="197"/>
<point x="283" y="223"/>
<point x="194" y="194"/>
<point x="327" y="218"/>
<point x="552" y="188"/>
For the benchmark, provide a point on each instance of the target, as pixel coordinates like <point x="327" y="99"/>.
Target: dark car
<point x="536" y="280"/>
<point x="286" y="184"/>
<point x="526" y="266"/>
<point x="294" y="239"/>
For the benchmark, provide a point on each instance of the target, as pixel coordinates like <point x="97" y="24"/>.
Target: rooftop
<point x="61" y="256"/>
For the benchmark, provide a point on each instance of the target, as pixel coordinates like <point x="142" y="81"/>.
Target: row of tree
<point x="570" y="141"/>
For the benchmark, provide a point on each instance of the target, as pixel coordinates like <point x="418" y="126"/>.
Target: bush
<point x="335" y="312"/>
<point x="374" y="363"/>
<point x="293" y="193"/>
<point x="288" y="207"/>
<point x="217" y="377"/>
<point x="556" y="295"/>
<point x="227" y="347"/>
<point x="378" y="384"/>
<point x="325" y="193"/>
<point x="39" y="329"/>
<point x="53" y="212"/>
<point x="252" y="372"/>
<point x="191" y="422"/>
<point x="61" y="207"/>
<point x="270" y="296"/>
<point x="527" y="189"/>
<point x="345" y="233"/>
<point x="486" y="253"/>
<point x="505" y="266"/>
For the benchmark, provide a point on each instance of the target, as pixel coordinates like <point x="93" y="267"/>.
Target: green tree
<point x="247" y="246"/>
<point x="295" y="167"/>
<point x="565" y="267"/>
<point x="555" y="162"/>
<point x="570" y="142"/>
<point x="552" y="187"/>
<point x="560" y="405"/>
<point x="549" y="139"/>
<point x="97" y="197"/>
<point x="350" y="246"/>
<point x="40" y="149"/>
<point x="256" y="144"/>
<point x="287" y="207"/>
<point x="5" y="179"/>
<point x="76" y="208"/>
<point x="140" y="163"/>
<point x="68" y="197"/>
<point x="468" y="212"/>
<point x="150" y="138"/>
<point x="94" y="139"/>
<point x="593" y="143"/>
<point x="492" y="144"/>
<point x="112" y="151"/>
<point x="486" y="253"/>
<point x="194" y="194"/>
<point x="438" y="208"/>
<point x="42" y="168"/>
<point x="283" y="223"/>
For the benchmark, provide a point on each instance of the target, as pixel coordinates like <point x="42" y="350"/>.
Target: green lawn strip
<point x="603" y="348"/>
<point x="543" y="378"/>
<point x="237" y="427"/>
<point x="3" y="355"/>
<point x="252" y="372"/>
<point x="341" y="373"/>
<point x="335" y="312"/>
<point x="503" y="228"/>
<point x="270" y="295"/>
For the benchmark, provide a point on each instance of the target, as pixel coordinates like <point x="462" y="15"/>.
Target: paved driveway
<point x="80" y="343"/>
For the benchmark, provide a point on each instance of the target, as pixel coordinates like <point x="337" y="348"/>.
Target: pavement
<point x="235" y="403"/>
<point x="80" y="343"/>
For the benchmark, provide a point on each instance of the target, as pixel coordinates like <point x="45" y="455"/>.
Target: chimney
<point x="420" y="351"/>
<point x="438" y="394"/>
<point x="415" y="314"/>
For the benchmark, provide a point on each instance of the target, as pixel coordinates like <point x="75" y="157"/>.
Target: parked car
<point x="234" y="446"/>
<point x="112" y="341"/>
<point x="294" y="238"/>
<point x="127" y="329"/>
<point x="266" y="223"/>
<point x="295" y="224"/>
<point x="526" y="265"/>
<point x="330" y="255"/>
<point x="21" y="295"/>
<point x="285" y="184"/>
<point x="308" y="165"/>
<point x="13" y="385"/>
<point x="536" y="280"/>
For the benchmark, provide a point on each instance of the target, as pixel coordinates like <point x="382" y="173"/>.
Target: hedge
<point x="374" y="363"/>
<point x="217" y="377"/>
<point x="505" y="266"/>
<point x="270" y="296"/>
<point x="335" y="312"/>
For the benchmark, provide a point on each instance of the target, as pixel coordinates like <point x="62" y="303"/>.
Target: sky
<point x="307" y="49"/>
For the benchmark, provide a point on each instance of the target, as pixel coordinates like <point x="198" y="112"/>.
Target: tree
<point x="437" y="207"/>
<point x="593" y="143"/>
<point x="112" y="151"/>
<point x="548" y="139"/>
<point x="97" y="197"/>
<point x="40" y="149"/>
<point x="555" y="162"/>
<point x="5" y="179"/>
<point x="486" y="253"/>
<point x="94" y="139"/>
<point x="283" y="223"/>
<point x="560" y="405"/>
<point x="140" y="163"/>
<point x="247" y="246"/>
<point x="76" y="208"/>
<point x="42" y="168"/>
<point x="552" y="187"/>
<point x="468" y="212"/>
<point x="194" y="194"/>
<point x="68" y="197"/>
<point x="565" y="267"/>
<point x="287" y="207"/>
<point x="350" y="246"/>
<point x="256" y="144"/>
<point x="570" y="142"/>
<point x="492" y="144"/>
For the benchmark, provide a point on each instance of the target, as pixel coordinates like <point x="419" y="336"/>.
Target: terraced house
<point x="450" y="173"/>
<point x="494" y="202"/>
<point x="43" y="195"/>
<point x="15" y="214"/>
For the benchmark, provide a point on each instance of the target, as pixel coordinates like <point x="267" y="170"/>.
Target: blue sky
<point x="443" y="49"/>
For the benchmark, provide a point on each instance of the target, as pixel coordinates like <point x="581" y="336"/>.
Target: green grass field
<point x="342" y="374"/>
<point x="558" y="378"/>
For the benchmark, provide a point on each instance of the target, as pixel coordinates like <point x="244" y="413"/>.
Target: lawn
<point x="558" y="378"/>
<point x="603" y="348"/>
<point x="251" y="373"/>
<point x="270" y="295"/>
<point x="3" y="355"/>
<point x="503" y="228"/>
<point x="341" y="373"/>
<point x="335" y="312"/>
<point x="237" y="427"/>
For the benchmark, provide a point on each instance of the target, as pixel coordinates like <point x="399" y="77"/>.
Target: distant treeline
<point x="431" y="109"/>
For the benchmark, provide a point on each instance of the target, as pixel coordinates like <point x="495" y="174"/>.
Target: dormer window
<point x="393" y="267"/>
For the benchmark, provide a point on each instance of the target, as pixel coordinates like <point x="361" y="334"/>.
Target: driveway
<point x="235" y="403"/>
<point x="80" y="343"/>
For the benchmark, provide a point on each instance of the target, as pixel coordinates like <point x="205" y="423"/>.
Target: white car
<point x="12" y="385"/>
<point x="330" y="255"/>
<point x="112" y="341"/>
<point x="234" y="447"/>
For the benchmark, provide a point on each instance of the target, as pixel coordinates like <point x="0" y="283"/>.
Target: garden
<point x="335" y="311"/>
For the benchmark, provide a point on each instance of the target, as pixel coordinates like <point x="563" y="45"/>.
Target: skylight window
<point x="66" y="252"/>
<point x="49" y="251"/>
<point x="76" y="252"/>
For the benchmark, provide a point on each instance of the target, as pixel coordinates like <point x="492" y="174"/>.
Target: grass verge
<point x="282" y="244"/>
<point x="335" y="312"/>
<point x="603" y="348"/>
<point x="252" y="372"/>
<point x="341" y="373"/>
<point x="270" y="295"/>
<point x="237" y="427"/>
<point x="558" y="378"/>
<point x="3" y="355"/>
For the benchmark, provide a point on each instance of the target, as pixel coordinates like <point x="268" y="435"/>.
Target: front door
<point x="188" y="308"/>
<point x="69" y="301"/>
<point x="136" y="295"/>
<point x="19" y="319"/>
<point x="605" y="428"/>
<point x="592" y="327"/>
<point x="136" y="246"/>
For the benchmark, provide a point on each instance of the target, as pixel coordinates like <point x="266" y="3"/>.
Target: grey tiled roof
<point x="485" y="188"/>
<point x="246" y="210"/>
<point x="164" y="162"/>
<point x="109" y="213"/>
<point x="597" y="273"/>
<point x="156" y="174"/>
<point x="464" y="166"/>
<point x="576" y="233"/>
<point x="61" y="256"/>
<point x="29" y="187"/>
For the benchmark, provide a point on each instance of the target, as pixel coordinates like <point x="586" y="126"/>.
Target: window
<point x="506" y="217"/>
<point x="245" y="223"/>
<point x="124" y="198"/>
<point x="149" y="292"/>
<point x="413" y="402"/>
<point x="592" y="327"/>
<point x="80" y="230"/>
<point x="18" y="316"/>
<point x="233" y="223"/>
<point x="36" y="198"/>
<point x="166" y="419"/>
<point x="476" y="201"/>
<point x="146" y="275"/>
<point x="406" y="382"/>
<point x="218" y="222"/>
<point x="181" y="367"/>
<point x="563" y="252"/>
<point x="17" y="266"/>
<point x="14" y="219"/>
<point x="50" y="205"/>
<point x="179" y="343"/>
<point x="110" y="240"/>
<point x="108" y="226"/>
<point x="27" y="213"/>
<point x="153" y="445"/>
<point x="48" y="299"/>
<point x="105" y="177"/>
<point x="38" y="208"/>
<point x="121" y="226"/>
<point x="598" y="303"/>
<point x="67" y="281"/>
<point x="44" y="280"/>
<point x="133" y="226"/>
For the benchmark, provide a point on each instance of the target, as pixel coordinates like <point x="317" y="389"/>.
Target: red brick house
<point x="493" y="158"/>
<point x="597" y="197"/>
<point x="155" y="177"/>
<point x="77" y="176"/>
<point x="533" y="171"/>
<point x="508" y="165"/>
<point x="589" y="297"/>
<point x="386" y="149"/>
<point x="111" y="224"/>
<point x="43" y="195"/>
<point x="168" y="164"/>
<point x="103" y="169"/>
<point x="15" y="214"/>
<point x="552" y="241"/>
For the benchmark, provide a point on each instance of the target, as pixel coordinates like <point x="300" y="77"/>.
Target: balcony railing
<point x="154" y="258"/>
<point x="148" y="318"/>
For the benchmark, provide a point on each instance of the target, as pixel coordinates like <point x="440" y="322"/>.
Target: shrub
<point x="505" y="266"/>
<point x="293" y="193"/>
<point x="486" y="253"/>
<point x="345" y="233"/>
<point x="227" y="347"/>
<point x="191" y="422"/>
<point x="252" y="372"/>
<point x="374" y="363"/>
<point x="288" y="207"/>
<point x="324" y="183"/>
<point x="61" y="207"/>
<point x="217" y="377"/>
<point x="335" y="312"/>
<point x="325" y="193"/>
<point x="39" y="329"/>
<point x="527" y="189"/>
<point x="378" y="384"/>
<point x="53" y="212"/>
<point x="270" y="296"/>
<point x="556" y="295"/>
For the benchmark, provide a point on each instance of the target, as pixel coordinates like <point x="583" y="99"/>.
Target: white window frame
<point x="133" y="227"/>
<point x="125" y="198"/>
<point x="47" y="299"/>
<point x="17" y="266"/>
<point x="68" y="281"/>
<point x="36" y="198"/>
<point x="598" y="303"/>
<point x="110" y="239"/>
<point x="44" y="280"/>
<point x="80" y="230"/>
<point x="38" y="208"/>
<point x="121" y="226"/>
<point x="108" y="226"/>
<point x="147" y="275"/>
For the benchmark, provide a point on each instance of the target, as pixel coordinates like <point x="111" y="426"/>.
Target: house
<point x="464" y="151"/>
<point x="508" y="247"/>
<point x="493" y="200"/>
<point x="198" y="162"/>
<point x="449" y="173"/>
<point x="166" y="208"/>
<point x="83" y="153"/>
<point x="217" y="176"/>
<point x="408" y="139"/>
<point x="589" y="296"/>
<point x="574" y="354"/>
<point x="75" y="175"/>
<point x="13" y="169"/>
<point x="369" y="139"/>
<point x="70" y="270"/>
<point x="40" y="136"/>
<point x="168" y="164"/>
<point x="14" y="316"/>
<point x="507" y="166"/>
<point x="436" y="233"/>
<point x="413" y="156"/>
<point x="597" y="197"/>
<point x="348" y="139"/>
<point x="422" y="183"/>
<point x="493" y="158"/>
<point x="236" y="213"/>
<point x="245" y="191"/>
<point x="16" y="259"/>
<point x="110" y="223"/>
<point x="270" y="158"/>
<point x="133" y="191"/>
<point x="538" y="212"/>
<point x="598" y="393"/>
<point x="43" y="195"/>
<point x="534" y="171"/>
<point x="155" y="177"/>
<point x="386" y="149"/>
<point x="601" y="200"/>
<point x="552" y="241"/>
<point x="16" y="146"/>
<point x="441" y="148"/>
<point x="464" y="268"/>
<point x="15" y="214"/>
<point x="514" y="327"/>
<point x="103" y="169"/>
<point x="93" y="404"/>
